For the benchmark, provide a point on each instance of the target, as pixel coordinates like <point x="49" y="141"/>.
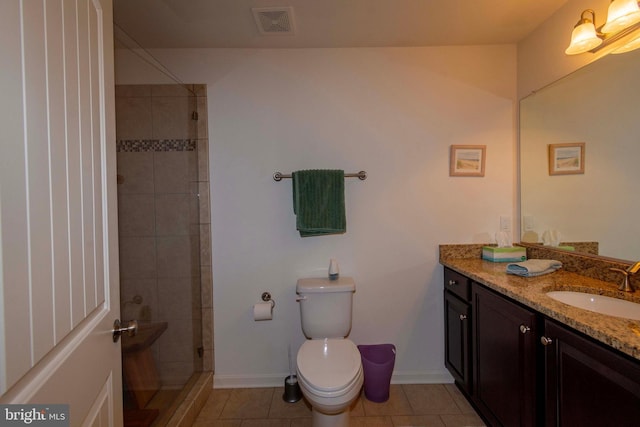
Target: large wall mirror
<point x="598" y="105"/>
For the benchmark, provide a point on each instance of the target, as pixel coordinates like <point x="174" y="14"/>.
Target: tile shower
<point x="164" y="223"/>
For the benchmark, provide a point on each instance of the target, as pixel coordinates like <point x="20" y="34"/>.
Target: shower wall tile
<point x="199" y="90"/>
<point x="207" y="329"/>
<point x="137" y="257"/>
<point x="136" y="214"/>
<point x="207" y="359"/>
<point x="174" y="302"/>
<point x="147" y="289"/>
<point x="203" y="158"/>
<point x="196" y="303"/>
<point x="172" y="214"/>
<point x="203" y="191"/>
<point x="192" y="159"/>
<point x="194" y="206"/>
<point x="197" y="364"/>
<point x="195" y="256"/>
<point x="172" y="118"/>
<point x="206" y="286"/>
<point x="175" y="374"/>
<point x="197" y="342"/>
<point x="205" y="244"/>
<point x="194" y="232"/>
<point x="196" y="325"/>
<point x="172" y="173"/>
<point x="174" y="256"/>
<point x="201" y="125"/>
<point x="134" y="118"/>
<point x="136" y="172"/>
<point x="176" y="342"/>
<point x="124" y="91"/>
<point x="171" y="90"/>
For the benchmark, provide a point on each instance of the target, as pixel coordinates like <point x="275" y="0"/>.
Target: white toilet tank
<point x="325" y="306"/>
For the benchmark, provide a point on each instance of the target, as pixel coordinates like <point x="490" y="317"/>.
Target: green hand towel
<point x="318" y="202"/>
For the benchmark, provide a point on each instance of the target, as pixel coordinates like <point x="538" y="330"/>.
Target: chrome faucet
<point x="625" y="285"/>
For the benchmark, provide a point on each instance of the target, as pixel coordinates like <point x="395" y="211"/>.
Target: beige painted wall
<point x="393" y="112"/>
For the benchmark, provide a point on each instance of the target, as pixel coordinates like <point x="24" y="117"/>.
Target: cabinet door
<point x="588" y="384"/>
<point x="457" y="315"/>
<point x="504" y="368"/>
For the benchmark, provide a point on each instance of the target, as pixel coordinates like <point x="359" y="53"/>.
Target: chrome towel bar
<point x="279" y="176"/>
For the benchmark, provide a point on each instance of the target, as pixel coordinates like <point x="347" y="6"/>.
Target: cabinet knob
<point x="524" y="328"/>
<point x="452" y="282"/>
<point x="546" y="341"/>
<point x="463" y="316"/>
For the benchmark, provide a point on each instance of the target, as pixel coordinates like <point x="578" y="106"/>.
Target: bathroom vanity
<point x="524" y="359"/>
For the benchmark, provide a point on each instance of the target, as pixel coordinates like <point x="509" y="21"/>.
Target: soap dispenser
<point x="334" y="269"/>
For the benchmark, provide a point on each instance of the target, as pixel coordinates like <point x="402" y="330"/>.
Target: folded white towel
<point x="533" y="267"/>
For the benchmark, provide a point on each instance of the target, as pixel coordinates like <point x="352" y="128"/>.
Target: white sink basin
<point x="598" y="303"/>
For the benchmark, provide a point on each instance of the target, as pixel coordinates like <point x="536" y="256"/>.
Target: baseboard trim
<point x="277" y="380"/>
<point x="248" y="381"/>
<point x="429" y="377"/>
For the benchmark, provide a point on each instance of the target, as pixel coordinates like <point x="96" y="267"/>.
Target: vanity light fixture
<point x="633" y="44"/>
<point x="621" y="14"/>
<point x="584" y="36"/>
<point x="623" y="19"/>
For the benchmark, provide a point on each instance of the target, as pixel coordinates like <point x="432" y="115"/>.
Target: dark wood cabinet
<point x="520" y="368"/>
<point x="457" y="339"/>
<point x="457" y="320"/>
<point x="504" y="359"/>
<point x="588" y="384"/>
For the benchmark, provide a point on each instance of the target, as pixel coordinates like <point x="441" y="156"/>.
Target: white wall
<point x="393" y="112"/>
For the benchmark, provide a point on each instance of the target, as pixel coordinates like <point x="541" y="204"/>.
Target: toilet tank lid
<point x="323" y="284"/>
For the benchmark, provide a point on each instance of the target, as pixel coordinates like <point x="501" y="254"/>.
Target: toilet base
<point x="318" y="419"/>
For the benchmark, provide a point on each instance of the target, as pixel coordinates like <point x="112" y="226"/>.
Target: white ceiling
<point x="330" y="23"/>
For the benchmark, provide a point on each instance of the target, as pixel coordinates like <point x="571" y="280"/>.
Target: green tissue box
<point x="495" y="254"/>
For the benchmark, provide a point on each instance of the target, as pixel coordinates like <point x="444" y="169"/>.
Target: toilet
<point x="329" y="365"/>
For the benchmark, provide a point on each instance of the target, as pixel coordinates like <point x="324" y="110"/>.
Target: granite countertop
<point x="619" y="333"/>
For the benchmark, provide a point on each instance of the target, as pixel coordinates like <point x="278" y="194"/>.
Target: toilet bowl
<point x="330" y="377"/>
<point x="329" y="365"/>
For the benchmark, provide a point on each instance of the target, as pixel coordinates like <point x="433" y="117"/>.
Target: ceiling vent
<point x="274" y="20"/>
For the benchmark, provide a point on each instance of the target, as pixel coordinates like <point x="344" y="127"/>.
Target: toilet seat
<point x="329" y="367"/>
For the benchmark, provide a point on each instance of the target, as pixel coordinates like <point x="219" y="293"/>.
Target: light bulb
<point x="621" y="14"/>
<point x="583" y="39"/>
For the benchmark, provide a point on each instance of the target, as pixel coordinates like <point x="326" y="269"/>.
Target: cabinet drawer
<point x="457" y="283"/>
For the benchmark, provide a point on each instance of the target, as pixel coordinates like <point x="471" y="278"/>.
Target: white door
<point x="58" y="225"/>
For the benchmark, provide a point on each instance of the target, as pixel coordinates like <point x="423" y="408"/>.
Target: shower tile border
<point x="145" y="145"/>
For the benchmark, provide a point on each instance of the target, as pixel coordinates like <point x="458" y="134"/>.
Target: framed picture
<point x="467" y="160"/>
<point x="566" y="159"/>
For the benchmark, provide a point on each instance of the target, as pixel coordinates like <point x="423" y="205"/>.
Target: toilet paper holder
<point x="266" y="297"/>
<point x="264" y="310"/>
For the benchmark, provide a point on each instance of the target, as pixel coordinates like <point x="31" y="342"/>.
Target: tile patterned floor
<point x="428" y="405"/>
